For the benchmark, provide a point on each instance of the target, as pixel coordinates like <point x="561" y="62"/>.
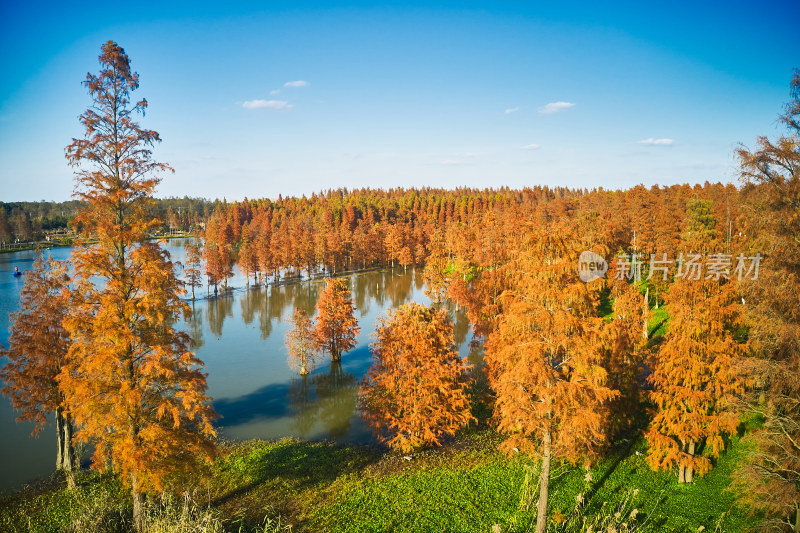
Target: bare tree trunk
<point x="690" y="469"/>
<point x="59" y="438"/>
<point x="70" y="460"/>
<point x="138" y="505"/>
<point x="682" y="467"/>
<point x="544" y="484"/>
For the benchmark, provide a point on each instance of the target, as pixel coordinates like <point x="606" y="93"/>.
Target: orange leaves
<point x="541" y="358"/>
<point x="694" y="377"/>
<point x="130" y="379"/>
<point x="300" y="342"/>
<point x="38" y="343"/>
<point x="337" y="326"/>
<point x="415" y="390"/>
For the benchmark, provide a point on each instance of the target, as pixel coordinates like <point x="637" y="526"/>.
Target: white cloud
<point x="267" y="104"/>
<point x="298" y="83"/>
<point x="452" y="162"/>
<point x="530" y="147"/>
<point x="274" y="92"/>
<point x="511" y="110"/>
<point x="657" y="142"/>
<point x="555" y="107"/>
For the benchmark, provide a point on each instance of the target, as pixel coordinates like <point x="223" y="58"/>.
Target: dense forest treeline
<point x="474" y="229"/>
<point x="30" y="221"/>
<point x="428" y="207"/>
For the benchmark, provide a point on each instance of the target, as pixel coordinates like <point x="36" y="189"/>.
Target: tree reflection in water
<point x="250" y="303"/>
<point x="219" y="308"/>
<point x="304" y="408"/>
<point x="337" y="391"/>
<point x="195" y="327"/>
<point x="328" y="397"/>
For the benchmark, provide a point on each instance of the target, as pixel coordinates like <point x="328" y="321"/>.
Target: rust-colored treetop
<point x="116" y="174"/>
<point x="415" y="391"/>
<point x="337" y="325"/>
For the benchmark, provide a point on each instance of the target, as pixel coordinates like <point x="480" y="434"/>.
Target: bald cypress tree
<point x="415" y="393"/>
<point x="133" y="386"/>
<point x="37" y="351"/>
<point x="542" y="360"/>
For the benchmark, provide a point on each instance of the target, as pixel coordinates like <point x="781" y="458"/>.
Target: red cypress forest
<point x="651" y="328"/>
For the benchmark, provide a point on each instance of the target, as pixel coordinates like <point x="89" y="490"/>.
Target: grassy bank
<point x="464" y="486"/>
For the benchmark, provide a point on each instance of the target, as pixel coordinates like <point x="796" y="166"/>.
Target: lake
<point x="240" y="337"/>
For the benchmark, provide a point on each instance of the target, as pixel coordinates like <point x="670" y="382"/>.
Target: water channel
<point x="240" y="337"/>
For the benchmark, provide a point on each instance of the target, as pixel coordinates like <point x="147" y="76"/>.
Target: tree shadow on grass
<point x="619" y="454"/>
<point x="272" y="473"/>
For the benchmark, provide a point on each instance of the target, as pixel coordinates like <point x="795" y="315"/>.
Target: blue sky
<point x="290" y="98"/>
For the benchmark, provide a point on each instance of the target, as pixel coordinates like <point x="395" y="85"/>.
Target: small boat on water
<point x="17" y="272"/>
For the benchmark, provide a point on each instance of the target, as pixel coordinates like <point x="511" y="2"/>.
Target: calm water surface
<point x="240" y="338"/>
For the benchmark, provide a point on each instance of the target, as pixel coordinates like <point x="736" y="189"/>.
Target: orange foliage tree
<point x="694" y="379"/>
<point x="623" y="351"/>
<point x="214" y="265"/>
<point x="415" y="392"/>
<point x="437" y="264"/>
<point x="337" y="326"/>
<point x="542" y="361"/>
<point x="248" y="259"/>
<point x="131" y="383"/>
<point x="37" y="350"/>
<point x="300" y="342"/>
<point x="194" y="258"/>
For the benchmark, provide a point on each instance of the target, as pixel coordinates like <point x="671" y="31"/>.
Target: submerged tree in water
<point x="38" y="346"/>
<point x="300" y="342"/>
<point x="192" y="269"/>
<point x="337" y="325"/>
